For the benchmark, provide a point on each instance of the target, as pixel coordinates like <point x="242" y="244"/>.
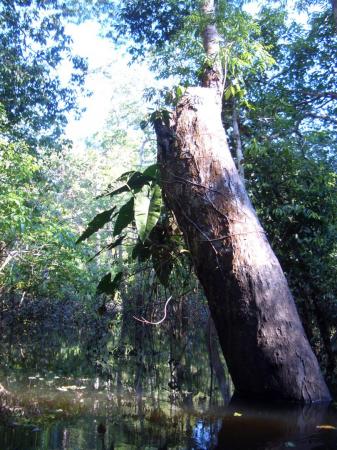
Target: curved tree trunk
<point x="259" y="329"/>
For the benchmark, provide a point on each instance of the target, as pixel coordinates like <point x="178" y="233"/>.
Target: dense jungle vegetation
<point x="90" y="253"/>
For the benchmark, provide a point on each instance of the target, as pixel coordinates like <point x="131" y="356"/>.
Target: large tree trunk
<point x="259" y="329"/>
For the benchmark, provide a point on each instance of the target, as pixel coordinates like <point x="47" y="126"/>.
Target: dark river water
<point x="84" y="413"/>
<point x="82" y="390"/>
<point x="81" y="414"/>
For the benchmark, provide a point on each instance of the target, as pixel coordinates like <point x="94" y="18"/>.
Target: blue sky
<point x="106" y="62"/>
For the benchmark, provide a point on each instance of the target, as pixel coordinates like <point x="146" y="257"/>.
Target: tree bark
<point x="213" y="76"/>
<point x="237" y="142"/>
<point x="262" y="338"/>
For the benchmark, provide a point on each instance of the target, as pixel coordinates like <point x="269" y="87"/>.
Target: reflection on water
<point x="91" y="388"/>
<point x="103" y="420"/>
<point x="280" y="427"/>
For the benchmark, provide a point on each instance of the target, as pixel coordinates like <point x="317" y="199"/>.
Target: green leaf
<point x="143" y="124"/>
<point x="124" y="217"/>
<point x="126" y="175"/>
<point x="147" y="210"/>
<point x="179" y="91"/>
<point x="162" y="264"/>
<point x="141" y="251"/>
<point x="138" y="180"/>
<point x="120" y="190"/>
<point x="230" y="92"/>
<point x="97" y="223"/>
<point x="106" y="286"/>
<point x="116" y="243"/>
<point x="135" y="183"/>
<point x="151" y="172"/>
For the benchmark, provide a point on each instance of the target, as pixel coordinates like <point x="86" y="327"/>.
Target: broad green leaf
<point x="147" y="210"/>
<point x="106" y="286"/>
<point x="97" y="223"/>
<point x="135" y="183"/>
<point x="116" y="243"/>
<point x="151" y="172"/>
<point x="120" y="190"/>
<point x="227" y="94"/>
<point x="180" y="91"/>
<point x="162" y="263"/>
<point x="124" y="217"/>
<point x="141" y="251"/>
<point x="143" y="124"/>
<point x="126" y="175"/>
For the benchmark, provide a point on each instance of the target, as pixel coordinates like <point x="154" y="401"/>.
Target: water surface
<point x="85" y="384"/>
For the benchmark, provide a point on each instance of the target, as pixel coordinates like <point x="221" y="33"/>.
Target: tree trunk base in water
<point x="262" y="338"/>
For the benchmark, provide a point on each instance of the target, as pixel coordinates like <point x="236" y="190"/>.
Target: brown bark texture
<point x="262" y="338"/>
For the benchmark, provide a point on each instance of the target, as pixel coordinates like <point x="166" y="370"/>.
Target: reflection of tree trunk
<point x="318" y="314"/>
<point x="119" y="384"/>
<point x="215" y="361"/>
<point x="324" y="330"/>
<point x="139" y="344"/>
<point x="270" y="428"/>
<point x="260" y="333"/>
<point x="121" y="346"/>
<point x="178" y="343"/>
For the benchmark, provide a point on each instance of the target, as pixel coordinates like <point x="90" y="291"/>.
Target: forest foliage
<point x="280" y="86"/>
